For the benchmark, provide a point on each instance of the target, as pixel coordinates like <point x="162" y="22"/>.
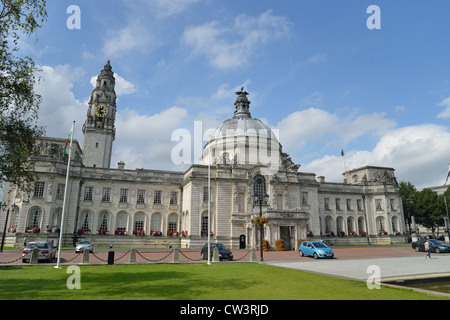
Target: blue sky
<point x="313" y="70"/>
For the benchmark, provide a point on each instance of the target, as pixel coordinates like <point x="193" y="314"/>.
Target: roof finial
<point x="242" y="92"/>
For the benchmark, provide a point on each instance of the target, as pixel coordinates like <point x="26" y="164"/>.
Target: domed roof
<point x="242" y="124"/>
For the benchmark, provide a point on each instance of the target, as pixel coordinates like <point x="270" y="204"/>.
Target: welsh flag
<point x="448" y="175"/>
<point x="67" y="142"/>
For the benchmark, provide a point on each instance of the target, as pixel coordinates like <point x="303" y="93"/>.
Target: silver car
<point x="46" y="251"/>
<point x="84" y="245"/>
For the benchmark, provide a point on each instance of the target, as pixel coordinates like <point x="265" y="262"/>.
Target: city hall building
<point x="242" y="163"/>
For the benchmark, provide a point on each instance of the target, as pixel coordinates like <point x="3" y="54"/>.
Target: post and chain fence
<point x="14" y="260"/>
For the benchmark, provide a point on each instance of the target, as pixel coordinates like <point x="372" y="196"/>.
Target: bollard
<point x="253" y="255"/>
<point x="34" y="256"/>
<point x="110" y="257"/>
<point x="133" y="256"/>
<point x="176" y="255"/>
<point x="215" y="257"/>
<point x="85" y="256"/>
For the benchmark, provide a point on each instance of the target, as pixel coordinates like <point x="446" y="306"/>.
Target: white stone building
<point x="161" y="208"/>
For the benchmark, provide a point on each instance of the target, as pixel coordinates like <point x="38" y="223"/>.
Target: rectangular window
<point x="392" y="203"/>
<point x="88" y="193"/>
<point x="359" y="204"/>
<point x="327" y="203"/>
<point x="338" y="204"/>
<point x="106" y="196"/>
<point x="39" y="189"/>
<point x="304" y="198"/>
<point x="378" y="205"/>
<point x="123" y="195"/>
<point x="157" y="199"/>
<point x="174" y="197"/>
<point x="349" y="204"/>
<point x="205" y="194"/>
<point x="141" y="196"/>
<point x="60" y="191"/>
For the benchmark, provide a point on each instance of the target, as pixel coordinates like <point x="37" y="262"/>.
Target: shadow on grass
<point x="118" y="283"/>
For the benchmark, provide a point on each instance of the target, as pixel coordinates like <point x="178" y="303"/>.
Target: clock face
<point x="101" y="111"/>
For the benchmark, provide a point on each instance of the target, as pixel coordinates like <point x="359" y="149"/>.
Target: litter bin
<point x="110" y="257"/>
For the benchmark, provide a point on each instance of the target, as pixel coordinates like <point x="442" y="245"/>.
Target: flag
<point x="342" y="152"/>
<point x="448" y="175"/>
<point x="67" y="142"/>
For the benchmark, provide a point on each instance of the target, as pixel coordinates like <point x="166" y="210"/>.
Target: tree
<point x="19" y="103"/>
<point x="408" y="193"/>
<point x="429" y="209"/>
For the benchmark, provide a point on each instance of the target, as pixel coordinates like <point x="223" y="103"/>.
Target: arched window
<point x="103" y="223"/>
<point x="85" y="221"/>
<point x="34" y="218"/>
<point x="395" y="224"/>
<point x="204" y="225"/>
<point x="259" y="186"/>
<point x="328" y="225"/>
<point x="139" y="222"/>
<point x="122" y="221"/>
<point x="156" y="222"/>
<point x="380" y="224"/>
<point x="172" y="223"/>
<point x="361" y="225"/>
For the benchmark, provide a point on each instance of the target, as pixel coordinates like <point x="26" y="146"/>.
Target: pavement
<point x="350" y="262"/>
<point x="391" y="263"/>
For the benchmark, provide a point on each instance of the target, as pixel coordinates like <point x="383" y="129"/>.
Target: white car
<point x="46" y="251"/>
<point x="84" y="245"/>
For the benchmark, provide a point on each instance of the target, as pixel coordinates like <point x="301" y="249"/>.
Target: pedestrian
<point x="24" y="242"/>
<point x="428" y="249"/>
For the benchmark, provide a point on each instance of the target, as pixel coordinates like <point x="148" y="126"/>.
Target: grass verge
<point x="225" y="281"/>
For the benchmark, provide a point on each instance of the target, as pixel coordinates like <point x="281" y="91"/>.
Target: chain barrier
<point x="122" y="256"/>
<point x="243" y="256"/>
<point x="125" y="254"/>
<point x="182" y="253"/>
<point x="99" y="257"/>
<point x="157" y="260"/>
<point x="12" y="261"/>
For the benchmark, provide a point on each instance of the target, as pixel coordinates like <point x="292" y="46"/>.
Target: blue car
<point x="316" y="249"/>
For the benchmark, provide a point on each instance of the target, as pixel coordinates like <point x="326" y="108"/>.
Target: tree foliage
<point x="427" y="207"/>
<point x="19" y="103"/>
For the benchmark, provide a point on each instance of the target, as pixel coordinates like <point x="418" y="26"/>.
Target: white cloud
<point x="418" y="153"/>
<point x="59" y="107"/>
<point x="313" y="125"/>
<point x="144" y="141"/>
<point x="231" y="46"/>
<point x="122" y="87"/>
<point x="446" y="104"/>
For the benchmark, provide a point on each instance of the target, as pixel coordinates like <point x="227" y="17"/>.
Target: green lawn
<point x="223" y="281"/>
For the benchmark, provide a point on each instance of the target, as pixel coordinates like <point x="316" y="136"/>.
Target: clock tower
<point x="99" y="130"/>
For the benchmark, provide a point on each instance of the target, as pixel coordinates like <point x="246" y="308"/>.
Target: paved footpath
<point x="353" y="263"/>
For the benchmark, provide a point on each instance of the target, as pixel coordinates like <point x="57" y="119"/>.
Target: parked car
<point x="436" y="245"/>
<point x="46" y="251"/>
<point x="316" y="249"/>
<point x="84" y="245"/>
<point x="224" y="252"/>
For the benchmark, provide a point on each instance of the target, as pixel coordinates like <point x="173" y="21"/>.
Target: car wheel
<point x="203" y="256"/>
<point x="437" y="250"/>
<point x="417" y="249"/>
<point x="300" y="252"/>
<point x="315" y="256"/>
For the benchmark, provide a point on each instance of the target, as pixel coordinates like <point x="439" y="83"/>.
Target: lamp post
<point x="260" y="198"/>
<point x="4" y="205"/>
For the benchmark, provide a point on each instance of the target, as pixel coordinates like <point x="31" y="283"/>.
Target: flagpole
<point x="209" y="203"/>
<point x="345" y="166"/>
<point x="58" y="266"/>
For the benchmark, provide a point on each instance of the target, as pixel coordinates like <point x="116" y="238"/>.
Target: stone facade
<point x="163" y="208"/>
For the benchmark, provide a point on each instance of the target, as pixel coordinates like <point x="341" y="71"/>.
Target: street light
<point x="4" y="205"/>
<point x="260" y="198"/>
